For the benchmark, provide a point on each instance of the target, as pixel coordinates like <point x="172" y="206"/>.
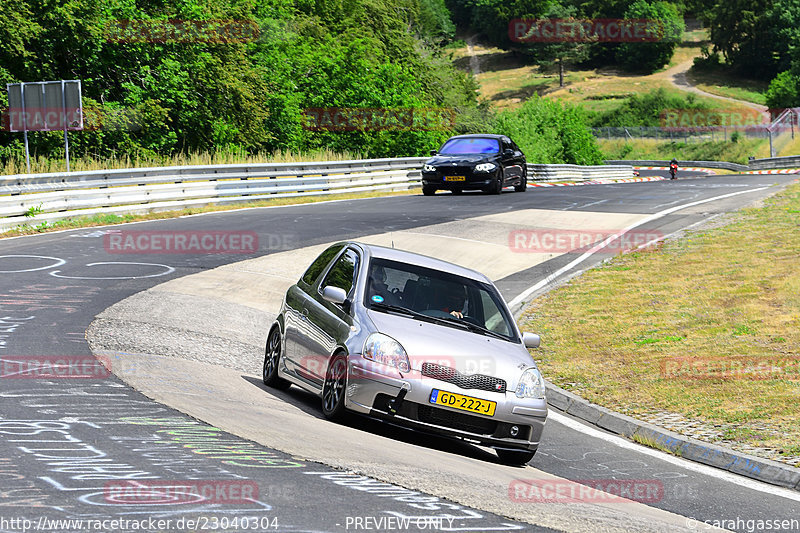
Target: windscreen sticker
<point x="377" y="298"/>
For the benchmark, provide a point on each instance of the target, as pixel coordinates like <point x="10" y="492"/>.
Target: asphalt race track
<point x="94" y="449"/>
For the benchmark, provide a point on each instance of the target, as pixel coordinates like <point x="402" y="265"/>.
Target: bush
<point x="549" y="131"/>
<point x="646" y="109"/>
<point x="784" y="91"/>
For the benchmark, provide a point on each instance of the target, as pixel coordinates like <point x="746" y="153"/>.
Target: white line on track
<point x="555" y="275"/>
<point x="683" y="463"/>
<point x="583" y="206"/>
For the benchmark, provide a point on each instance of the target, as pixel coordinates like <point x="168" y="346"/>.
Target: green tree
<point x="492" y="17"/>
<point x="558" y="53"/>
<point x="161" y="96"/>
<point x="434" y="22"/>
<point x="784" y="91"/>
<point x="755" y="36"/>
<point x="649" y="56"/>
<point x="16" y="31"/>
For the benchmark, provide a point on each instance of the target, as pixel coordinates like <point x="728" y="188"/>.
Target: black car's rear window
<point x="471" y="145"/>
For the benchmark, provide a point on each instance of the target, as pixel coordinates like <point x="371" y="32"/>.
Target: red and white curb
<point x="780" y="171"/>
<point x="681" y="169"/>
<point x="597" y="182"/>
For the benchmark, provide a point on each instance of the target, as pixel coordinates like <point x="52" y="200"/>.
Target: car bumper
<point x="472" y="181"/>
<point x="372" y="393"/>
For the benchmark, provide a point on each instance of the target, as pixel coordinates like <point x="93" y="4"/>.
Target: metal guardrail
<point x="736" y="167"/>
<point x="579" y="172"/>
<point x="37" y="198"/>
<point x="792" y="161"/>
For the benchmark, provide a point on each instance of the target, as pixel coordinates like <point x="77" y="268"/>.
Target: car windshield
<point x="444" y="297"/>
<point x="471" y="145"/>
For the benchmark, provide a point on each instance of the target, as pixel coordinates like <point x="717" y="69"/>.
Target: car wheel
<point x="523" y="183"/>
<point x="272" y="356"/>
<point x="428" y="191"/>
<point x="334" y="387"/>
<point x="496" y="186"/>
<point x="515" y="457"/>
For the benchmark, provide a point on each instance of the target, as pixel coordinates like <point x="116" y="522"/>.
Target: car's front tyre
<point x="428" y="191"/>
<point x="496" y="186"/>
<point x="334" y="387"/>
<point x="523" y="183"/>
<point x="515" y="457"/>
<point x="272" y="357"/>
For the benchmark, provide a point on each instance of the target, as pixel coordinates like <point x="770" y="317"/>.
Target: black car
<point x="485" y="162"/>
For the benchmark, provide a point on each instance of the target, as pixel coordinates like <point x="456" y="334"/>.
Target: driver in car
<point x="454" y="301"/>
<point x="379" y="288"/>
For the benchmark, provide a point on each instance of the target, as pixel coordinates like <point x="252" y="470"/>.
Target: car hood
<point x="468" y="352"/>
<point x="461" y="159"/>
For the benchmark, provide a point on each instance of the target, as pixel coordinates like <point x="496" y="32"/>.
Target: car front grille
<point x="445" y="170"/>
<point x="464" y="381"/>
<point x="457" y="421"/>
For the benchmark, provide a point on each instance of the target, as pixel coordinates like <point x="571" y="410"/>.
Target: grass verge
<point x="721" y="81"/>
<point x="111" y="219"/>
<point x="706" y="327"/>
<point x="692" y="151"/>
<point x="651" y="443"/>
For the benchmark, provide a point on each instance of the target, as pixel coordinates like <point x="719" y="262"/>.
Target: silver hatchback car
<point x="414" y="340"/>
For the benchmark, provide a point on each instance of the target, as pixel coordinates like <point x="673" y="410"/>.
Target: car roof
<point x="403" y="256"/>
<point x="479" y="136"/>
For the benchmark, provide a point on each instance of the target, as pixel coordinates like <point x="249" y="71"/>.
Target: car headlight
<point x="428" y="168"/>
<point x="485" y="167"/>
<point x="385" y="350"/>
<point x="531" y="384"/>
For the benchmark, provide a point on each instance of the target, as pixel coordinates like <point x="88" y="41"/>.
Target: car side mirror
<point x="531" y="340"/>
<point x="334" y="295"/>
<point x="508" y="152"/>
<point x="433" y="152"/>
